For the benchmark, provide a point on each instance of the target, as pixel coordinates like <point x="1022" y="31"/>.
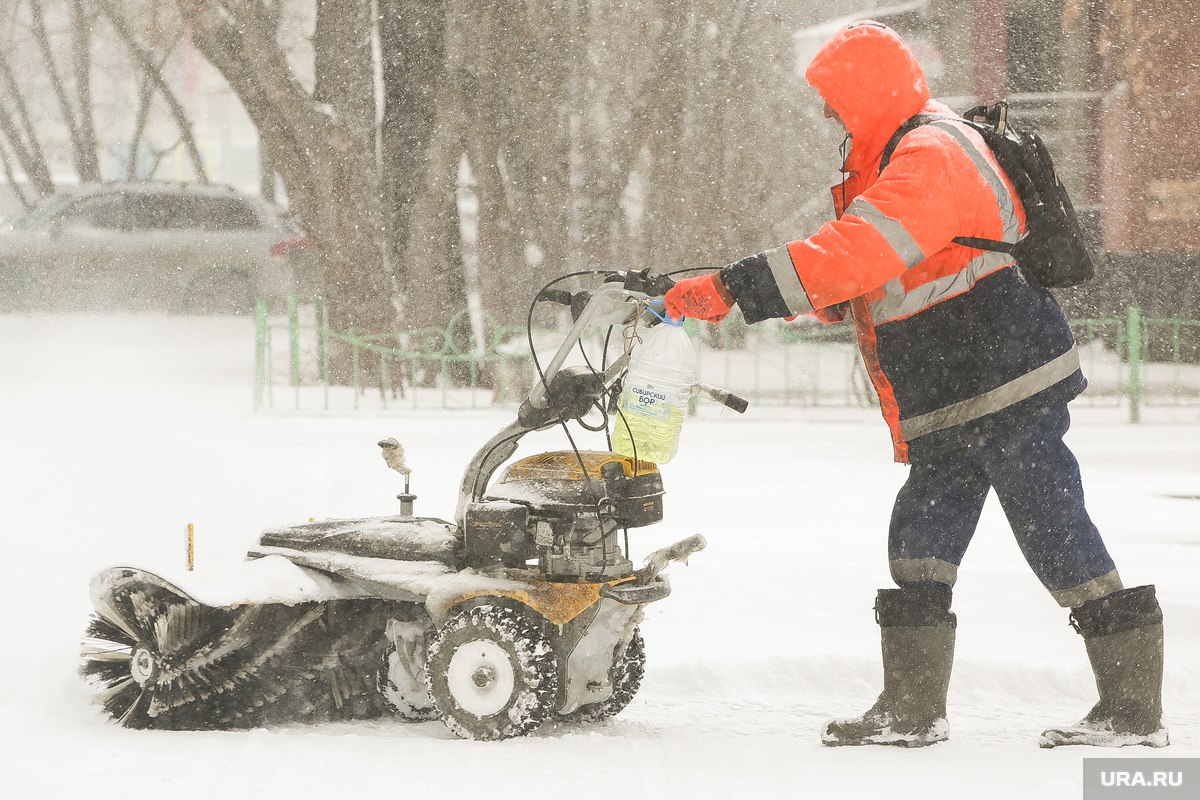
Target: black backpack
<point x="1052" y="249"/>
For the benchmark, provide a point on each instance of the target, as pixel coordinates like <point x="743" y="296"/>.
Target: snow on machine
<point x="523" y="609"/>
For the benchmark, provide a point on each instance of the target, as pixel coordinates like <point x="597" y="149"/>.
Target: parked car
<point x="181" y="247"/>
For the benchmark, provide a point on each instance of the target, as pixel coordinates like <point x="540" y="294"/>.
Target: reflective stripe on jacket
<point x="955" y="339"/>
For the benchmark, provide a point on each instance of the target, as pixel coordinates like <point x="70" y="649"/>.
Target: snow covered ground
<point x="118" y="431"/>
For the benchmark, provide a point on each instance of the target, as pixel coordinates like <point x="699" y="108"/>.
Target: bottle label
<point x="649" y="401"/>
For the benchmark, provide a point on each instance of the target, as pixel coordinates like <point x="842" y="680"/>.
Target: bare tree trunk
<point x="433" y="287"/>
<point x="412" y="40"/>
<point x="145" y="98"/>
<point x="146" y="93"/>
<point x="344" y="79"/>
<point x="266" y="167"/>
<point x="503" y="280"/>
<point x="81" y="39"/>
<point x="669" y="174"/>
<point x="644" y="108"/>
<point x="538" y="116"/>
<point x="517" y="58"/>
<point x="12" y="178"/>
<point x="325" y="153"/>
<point x="85" y="161"/>
<point x="30" y="156"/>
<point x="343" y="65"/>
<point x="153" y="72"/>
<point x="266" y="174"/>
<point x="710" y="104"/>
<point x="34" y="167"/>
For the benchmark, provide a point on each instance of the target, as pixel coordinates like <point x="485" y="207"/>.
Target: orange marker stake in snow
<point x="191" y="547"/>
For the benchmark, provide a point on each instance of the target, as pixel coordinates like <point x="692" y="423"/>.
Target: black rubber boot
<point x="1123" y="634"/>
<point x="917" y="634"/>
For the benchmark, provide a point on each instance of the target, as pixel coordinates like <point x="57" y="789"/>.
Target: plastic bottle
<point x="654" y="400"/>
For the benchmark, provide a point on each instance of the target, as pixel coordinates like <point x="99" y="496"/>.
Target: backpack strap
<point x="906" y="127"/>
<point x="995" y="245"/>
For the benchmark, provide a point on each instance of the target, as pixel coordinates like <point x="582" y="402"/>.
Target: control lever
<point x="722" y="396"/>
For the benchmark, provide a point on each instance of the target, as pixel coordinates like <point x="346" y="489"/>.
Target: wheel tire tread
<point x="536" y="667"/>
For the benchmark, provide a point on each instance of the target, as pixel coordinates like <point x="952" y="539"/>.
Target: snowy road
<point x="118" y="431"/>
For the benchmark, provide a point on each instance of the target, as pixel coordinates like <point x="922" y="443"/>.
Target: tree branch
<point x="153" y="73"/>
<point x="12" y="178"/>
<point x="145" y="98"/>
<point x="56" y="82"/>
<point x="31" y="157"/>
<point x="87" y="164"/>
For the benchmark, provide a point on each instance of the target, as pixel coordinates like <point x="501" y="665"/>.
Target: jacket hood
<point x="867" y="74"/>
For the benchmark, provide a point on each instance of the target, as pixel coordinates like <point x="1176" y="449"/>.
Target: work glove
<point x="703" y="298"/>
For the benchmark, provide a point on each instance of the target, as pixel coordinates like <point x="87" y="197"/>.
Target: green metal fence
<point x="1136" y="362"/>
<point x="1164" y="362"/>
<point x="430" y="367"/>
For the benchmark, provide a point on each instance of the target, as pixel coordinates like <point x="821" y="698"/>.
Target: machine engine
<point x="564" y="509"/>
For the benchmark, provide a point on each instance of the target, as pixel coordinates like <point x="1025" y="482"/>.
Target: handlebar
<point x="722" y="396"/>
<point x="560" y="296"/>
<point x="569" y="392"/>
<point x="615" y="302"/>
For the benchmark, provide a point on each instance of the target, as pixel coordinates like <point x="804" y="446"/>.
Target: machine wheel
<point x="492" y="673"/>
<point x="626" y="676"/>
<point x="407" y="698"/>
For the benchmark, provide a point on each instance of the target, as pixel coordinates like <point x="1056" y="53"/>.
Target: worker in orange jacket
<point x="974" y="364"/>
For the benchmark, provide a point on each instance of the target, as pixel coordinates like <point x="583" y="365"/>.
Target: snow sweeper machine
<point x="523" y="609"/>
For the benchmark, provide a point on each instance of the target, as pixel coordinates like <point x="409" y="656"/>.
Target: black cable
<point x="604" y="368"/>
<point x="603" y="426"/>
<point x="488" y="455"/>
<point x="537" y="364"/>
<point x="688" y="269"/>
<point x="632" y="442"/>
<point x="596" y="507"/>
<point x="842" y="168"/>
<point x="561" y="421"/>
<point x="604" y="412"/>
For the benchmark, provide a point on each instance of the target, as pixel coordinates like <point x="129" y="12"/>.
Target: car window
<point x="220" y="213"/>
<point x="144" y="211"/>
<point x="151" y="212"/>
<point x="231" y="214"/>
<point x="106" y="211"/>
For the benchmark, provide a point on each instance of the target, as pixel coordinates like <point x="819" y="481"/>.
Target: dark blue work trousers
<point x="1037" y="481"/>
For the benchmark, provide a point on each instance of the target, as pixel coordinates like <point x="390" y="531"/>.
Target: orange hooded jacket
<point x="935" y="319"/>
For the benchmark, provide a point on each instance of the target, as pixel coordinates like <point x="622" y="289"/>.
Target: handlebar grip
<point x="560" y="296"/>
<point x="736" y="403"/>
<point x="722" y="396"/>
